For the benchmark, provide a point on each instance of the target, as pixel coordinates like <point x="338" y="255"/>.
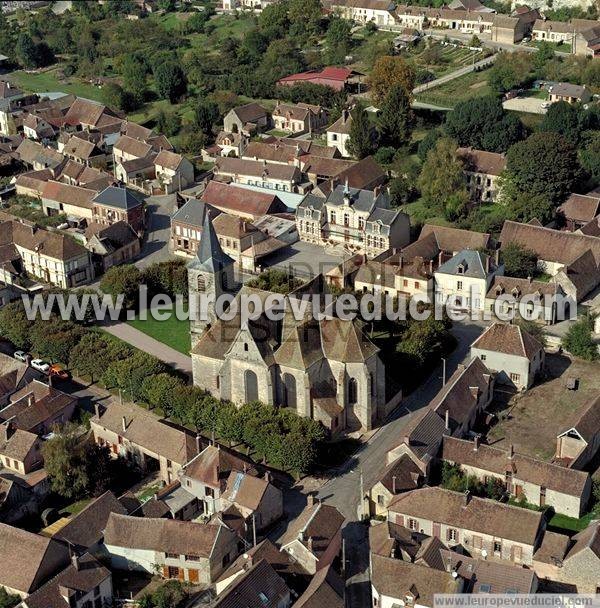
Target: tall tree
<point x="519" y="261"/>
<point x="395" y="120"/>
<point x="442" y="181"/>
<point x="388" y="71"/>
<point x="170" y="81"/>
<point x="26" y="51"/>
<point x="361" y="142"/>
<point x="565" y="119"/>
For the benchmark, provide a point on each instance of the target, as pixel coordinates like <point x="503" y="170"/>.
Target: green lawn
<point x="571" y="524"/>
<point x="555" y="46"/>
<point x="173" y="332"/>
<point x="469" y="86"/>
<point x="419" y="214"/>
<point x="50" y="80"/>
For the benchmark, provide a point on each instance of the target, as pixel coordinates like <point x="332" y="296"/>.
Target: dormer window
<point x="460" y="269"/>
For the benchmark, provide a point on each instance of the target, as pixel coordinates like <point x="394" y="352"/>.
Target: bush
<point x="275" y="280"/>
<point x="579" y="341"/>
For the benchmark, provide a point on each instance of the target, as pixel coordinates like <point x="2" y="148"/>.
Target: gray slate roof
<point x="210" y="256"/>
<point x="193" y="213"/>
<point x="471" y="261"/>
<point x="120" y="198"/>
<point x="361" y="200"/>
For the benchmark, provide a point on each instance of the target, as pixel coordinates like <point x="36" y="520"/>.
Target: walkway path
<point x="144" y="342"/>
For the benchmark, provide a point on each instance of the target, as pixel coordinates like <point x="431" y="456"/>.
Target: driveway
<point x="533" y="105"/>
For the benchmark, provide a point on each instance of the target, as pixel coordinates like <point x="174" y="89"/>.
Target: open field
<point x="172" y="332"/>
<point x="532" y="420"/>
<point x="473" y="84"/>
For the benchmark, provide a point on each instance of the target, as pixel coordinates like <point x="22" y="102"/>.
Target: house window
<point x="380" y="500"/>
<point x="459" y="285"/>
<point x="515" y="377"/>
<point x="413" y="524"/>
<point x="497" y="546"/>
<point x="453" y="534"/>
<point x="172" y="555"/>
<point x="483" y="357"/>
<point x="417" y="284"/>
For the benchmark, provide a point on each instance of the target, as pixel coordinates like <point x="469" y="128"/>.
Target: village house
<point x="299" y="118"/>
<point x="570" y="93"/>
<point x="314" y="538"/>
<point x="87" y="115"/>
<point x="578" y="444"/>
<point x="506" y="293"/>
<point x="38" y="408"/>
<point x="482" y="170"/>
<point x="115" y="204"/>
<point x="260" y="586"/>
<point x="256" y="173"/>
<point x="358" y="220"/>
<point x="53" y="257"/>
<point x="36" y="128"/>
<point x="73" y="201"/>
<point x="464" y="280"/>
<point x="28" y="560"/>
<point x="453" y="411"/>
<point x="129" y="148"/>
<point x="247" y="119"/>
<point x="395" y="582"/>
<point x="487" y="527"/>
<point x="111" y="245"/>
<point x="571" y="258"/>
<point x="579" y="210"/>
<point x="141" y="437"/>
<point x="20" y="451"/>
<point x="512" y="354"/>
<point x="379" y="12"/>
<point x="85" y="151"/>
<point x="226" y="144"/>
<point x="84" y="583"/>
<point x="243" y="202"/>
<point x="581" y="565"/>
<point x="173" y="171"/>
<point x="32" y="183"/>
<point x="540" y="483"/>
<point x="84" y="531"/>
<point x="338" y="133"/>
<point x="587" y="37"/>
<point x="334" y="77"/>
<point x="558" y="32"/>
<point x="451" y="240"/>
<point x="38" y="156"/>
<point x="78" y="174"/>
<point x="183" y="550"/>
<point x="326" y="588"/>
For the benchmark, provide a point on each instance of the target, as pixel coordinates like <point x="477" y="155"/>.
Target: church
<point x="324" y="369"/>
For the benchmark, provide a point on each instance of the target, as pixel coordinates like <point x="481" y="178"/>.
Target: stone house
<point x="20" y="450"/>
<point x="553" y="31"/>
<point x="486" y="527"/>
<point x="73" y="201"/>
<point x="359" y="220"/>
<point x="379" y="12"/>
<point x="87" y="151"/>
<point x="140" y="437"/>
<point x="128" y="148"/>
<point x="579" y="210"/>
<point x="256" y="173"/>
<point x="464" y="280"/>
<point x="451" y="241"/>
<point x="587" y="37"/>
<point x="183" y="550"/>
<point x="85" y="583"/>
<point x="581" y="565"/>
<point x="112" y="245"/>
<point x="115" y="204"/>
<point x="506" y="293"/>
<point x="578" y="444"/>
<point x="482" y="170"/>
<point x="28" y="560"/>
<point x="540" y="483"/>
<point x="314" y="538"/>
<point x="512" y="354"/>
<point x="37" y="408"/>
<point x="338" y="133"/>
<point x="570" y="93"/>
<point x="299" y="118"/>
<point x="247" y="119"/>
<point x="173" y="171"/>
<point x="38" y="156"/>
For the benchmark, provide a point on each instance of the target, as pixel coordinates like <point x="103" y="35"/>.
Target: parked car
<point x="21" y="355"/>
<point x="546" y="105"/>
<point x="56" y="371"/>
<point x="41" y="365"/>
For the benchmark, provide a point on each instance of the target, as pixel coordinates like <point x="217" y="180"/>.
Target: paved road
<point x="156" y="243"/>
<point x="140" y="340"/>
<point x="482" y="63"/>
<point x="343" y="491"/>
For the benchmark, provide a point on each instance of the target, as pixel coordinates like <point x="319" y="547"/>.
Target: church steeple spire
<point x="210" y="257"/>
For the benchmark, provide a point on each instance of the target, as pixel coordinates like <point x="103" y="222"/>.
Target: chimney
<point x="529" y="279"/>
<point x="268" y="476"/>
<point x="466" y="498"/>
<point x="75" y="561"/>
<point x="124" y="423"/>
<point x="309" y="543"/>
<point x="430" y="266"/>
<point x="30" y="400"/>
<point x="310" y="500"/>
<point x="440" y="258"/>
<point x="97" y="410"/>
<point x="476" y="443"/>
<point x="198" y="443"/>
<point x="393" y="484"/>
<point x="497" y="257"/>
<point x="400" y="262"/>
<point x="407" y="439"/>
<point x="447" y="420"/>
<point x="511" y="451"/>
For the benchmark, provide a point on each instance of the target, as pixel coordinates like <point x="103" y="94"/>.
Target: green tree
<point x="55" y="339"/>
<point x="510" y="70"/>
<point x="206" y="115"/>
<point x="427" y="143"/>
<point x="26" y="51"/>
<point x="122" y="280"/>
<point x="114" y="96"/>
<point x="361" y="142"/>
<point x="388" y="71"/>
<point x="519" y="261"/>
<point x="192" y="142"/>
<point x="8" y="600"/>
<point x="579" y="342"/>
<point x="545" y="164"/>
<point x="166" y="5"/>
<point x="483" y="124"/>
<point x="590" y="156"/>
<point x="339" y="39"/>
<point x="75" y="466"/>
<point x="545" y="53"/>
<point x="442" y="182"/>
<point x="565" y="119"/>
<point x="305" y="13"/>
<point x="15" y="326"/>
<point x="134" y="78"/>
<point x="274" y="21"/>
<point x="396" y="118"/>
<point x="425" y="340"/>
<point x="158" y="390"/>
<point x="94" y="353"/>
<point x="170" y="81"/>
<point x="129" y="374"/>
<point x="168" y="123"/>
<point x="275" y="280"/>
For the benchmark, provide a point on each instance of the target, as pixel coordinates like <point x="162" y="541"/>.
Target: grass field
<point x="460" y="89"/>
<point x="50" y="81"/>
<point x="419" y="215"/>
<point x="567" y="524"/>
<point x="173" y="333"/>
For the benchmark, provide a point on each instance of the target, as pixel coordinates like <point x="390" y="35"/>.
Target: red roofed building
<point x="334" y="77"/>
